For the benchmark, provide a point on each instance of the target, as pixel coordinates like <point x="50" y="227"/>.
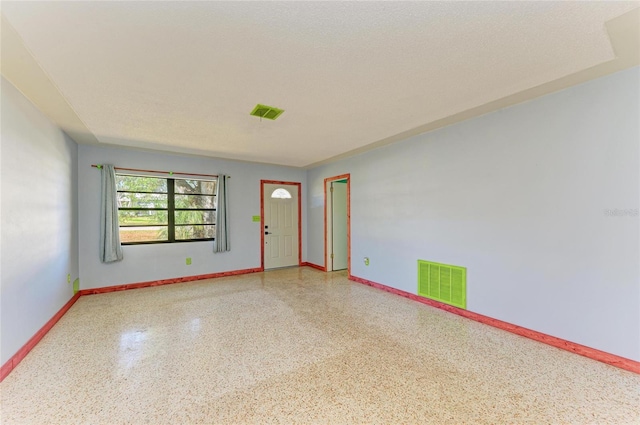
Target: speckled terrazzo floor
<point x="299" y="346"/>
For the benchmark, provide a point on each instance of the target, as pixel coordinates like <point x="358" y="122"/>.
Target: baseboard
<point x="150" y="283"/>
<point x="22" y="352"/>
<point x="592" y="353"/>
<point x="315" y="266"/>
<point x="604" y="357"/>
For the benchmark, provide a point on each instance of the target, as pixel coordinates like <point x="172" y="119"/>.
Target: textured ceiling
<point x="183" y="76"/>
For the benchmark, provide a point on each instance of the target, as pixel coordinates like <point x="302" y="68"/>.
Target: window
<point x="159" y="210"/>
<point x="281" y="194"/>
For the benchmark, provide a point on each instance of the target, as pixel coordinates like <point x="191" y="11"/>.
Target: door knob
<point x="267" y="233"/>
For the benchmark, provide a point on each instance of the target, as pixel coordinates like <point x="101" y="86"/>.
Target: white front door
<point x="281" y="233"/>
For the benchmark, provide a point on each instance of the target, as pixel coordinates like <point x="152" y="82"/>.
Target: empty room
<point x="320" y="212"/>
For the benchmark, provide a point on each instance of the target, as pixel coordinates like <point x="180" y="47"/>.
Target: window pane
<point x="195" y="186"/>
<point x="195" y="232"/>
<point x="142" y="218"/>
<point x="141" y="184"/>
<point x="142" y="200"/>
<point x="143" y="208"/>
<point x="195" y="217"/>
<point x="195" y="201"/>
<point x="143" y="234"/>
<point x="281" y="194"/>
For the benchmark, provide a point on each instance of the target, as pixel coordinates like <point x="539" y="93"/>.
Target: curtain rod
<point x="159" y="172"/>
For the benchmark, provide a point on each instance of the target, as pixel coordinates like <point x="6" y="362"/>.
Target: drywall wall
<point x="539" y="201"/>
<point x="164" y="261"/>
<point x="39" y="239"/>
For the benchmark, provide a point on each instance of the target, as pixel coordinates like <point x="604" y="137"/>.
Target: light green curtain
<point x="223" y="240"/>
<point x="110" y="248"/>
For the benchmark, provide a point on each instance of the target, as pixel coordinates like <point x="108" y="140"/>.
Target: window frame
<point x="171" y="210"/>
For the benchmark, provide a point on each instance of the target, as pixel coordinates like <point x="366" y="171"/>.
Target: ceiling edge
<point x="151" y="147"/>
<point x="20" y="68"/>
<point x="624" y="35"/>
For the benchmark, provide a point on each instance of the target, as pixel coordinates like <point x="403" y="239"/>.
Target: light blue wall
<point x="39" y="239"/>
<point x="163" y="261"/>
<point x="520" y="198"/>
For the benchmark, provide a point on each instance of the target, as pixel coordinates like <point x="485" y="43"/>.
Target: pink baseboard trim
<point x="22" y="352"/>
<point x="114" y="288"/>
<point x="35" y="339"/>
<point x="315" y="266"/>
<point x="592" y="353"/>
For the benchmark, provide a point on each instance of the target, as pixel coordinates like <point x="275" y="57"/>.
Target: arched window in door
<point x="281" y="193"/>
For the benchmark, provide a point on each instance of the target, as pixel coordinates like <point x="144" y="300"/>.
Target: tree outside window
<point x="159" y="210"/>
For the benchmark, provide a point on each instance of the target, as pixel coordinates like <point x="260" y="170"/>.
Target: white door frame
<point x="262" y="230"/>
<point x="327" y="228"/>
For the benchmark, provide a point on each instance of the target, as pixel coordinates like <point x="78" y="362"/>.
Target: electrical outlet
<point x="188" y="261"/>
<point x="68" y="277"/>
<point x="366" y="261"/>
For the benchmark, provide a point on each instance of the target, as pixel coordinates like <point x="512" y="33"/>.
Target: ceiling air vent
<point x="268" y="112"/>
<point x="442" y="282"/>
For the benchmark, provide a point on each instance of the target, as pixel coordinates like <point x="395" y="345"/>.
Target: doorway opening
<point x="281" y="222"/>
<point x="337" y="223"/>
